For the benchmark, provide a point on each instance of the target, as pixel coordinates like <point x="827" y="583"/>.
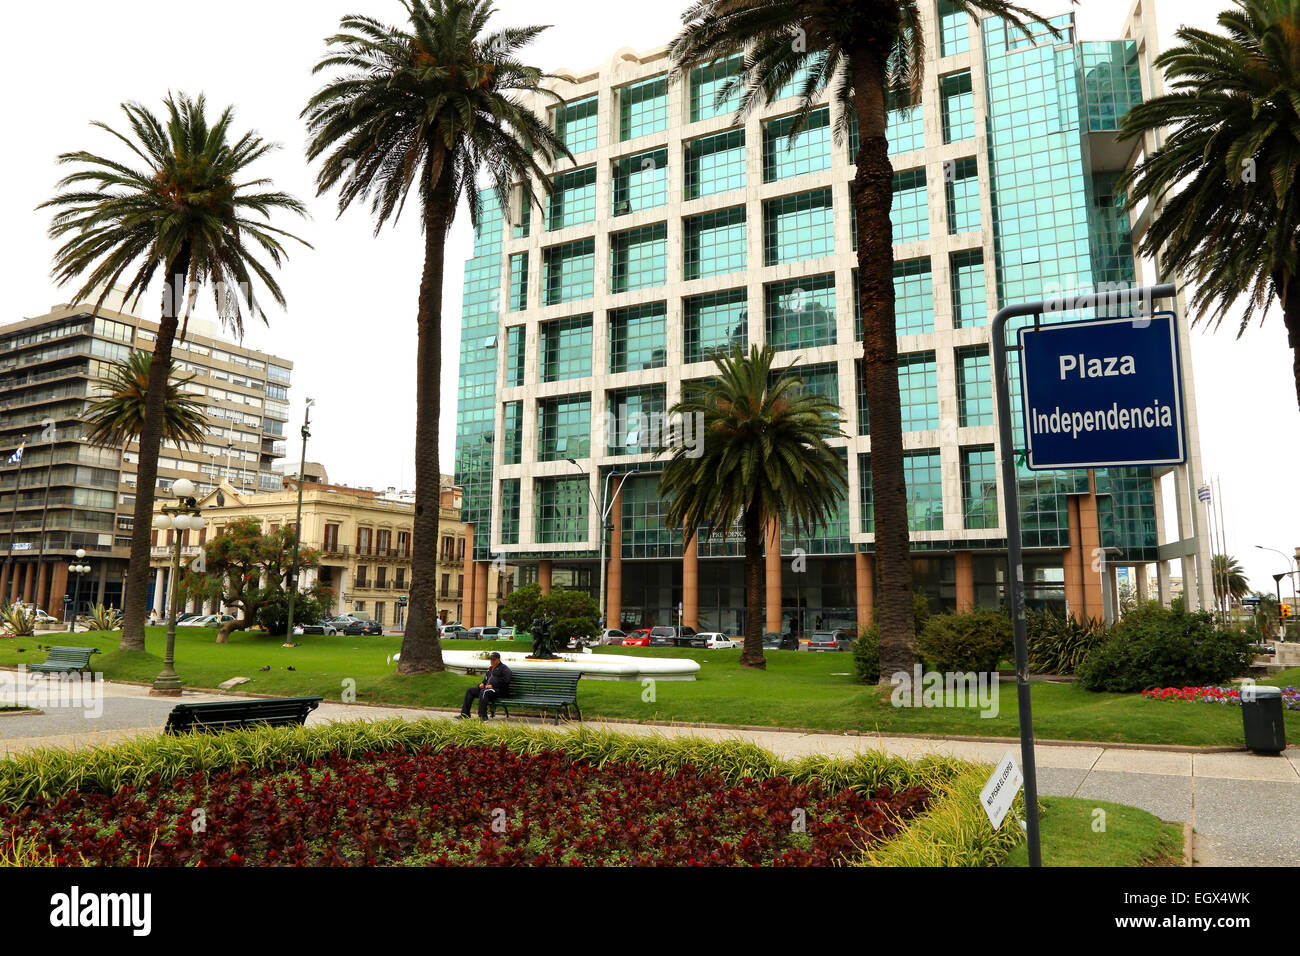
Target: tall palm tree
<point x="1229" y="579"/>
<point x="872" y="54"/>
<point x="117" y="418"/>
<point x="765" y="455"/>
<point x="1233" y="145"/>
<point x="179" y="205"/>
<point x="429" y="107"/>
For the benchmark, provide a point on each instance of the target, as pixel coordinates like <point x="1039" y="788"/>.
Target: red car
<point x="637" y="638"/>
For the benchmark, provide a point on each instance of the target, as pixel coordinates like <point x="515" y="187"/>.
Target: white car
<point x="716" y="639"/>
<point x="611" y="635"/>
<point x="209" y="620"/>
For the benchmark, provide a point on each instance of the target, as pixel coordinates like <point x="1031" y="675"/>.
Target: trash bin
<point x="1261" y="716"/>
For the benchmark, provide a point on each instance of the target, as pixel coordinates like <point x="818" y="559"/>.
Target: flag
<point x="16" y="457"/>
<point x="1203" y="493"/>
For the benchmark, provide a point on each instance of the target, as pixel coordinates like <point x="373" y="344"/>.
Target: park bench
<point x="233" y="714"/>
<point x="544" y="690"/>
<point x="65" y="660"/>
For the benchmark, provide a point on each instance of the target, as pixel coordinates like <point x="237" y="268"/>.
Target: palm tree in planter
<point x="765" y="455"/>
<point x="1224" y="184"/>
<point x="117" y="417"/>
<point x="428" y="108"/>
<point x="871" y="53"/>
<point x="182" y="208"/>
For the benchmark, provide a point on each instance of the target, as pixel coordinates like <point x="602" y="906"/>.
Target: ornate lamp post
<point x="77" y="571"/>
<point x="180" y="517"/>
<point x="297" y="528"/>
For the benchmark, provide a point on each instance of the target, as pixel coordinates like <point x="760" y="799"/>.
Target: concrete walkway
<point x="1241" y="805"/>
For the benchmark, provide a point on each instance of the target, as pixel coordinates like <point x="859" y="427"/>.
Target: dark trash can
<point x="1261" y="716"/>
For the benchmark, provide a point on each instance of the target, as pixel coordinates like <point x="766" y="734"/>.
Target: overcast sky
<point x="350" y="323"/>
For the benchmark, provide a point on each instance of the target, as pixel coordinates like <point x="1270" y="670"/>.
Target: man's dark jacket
<point x="498" y="677"/>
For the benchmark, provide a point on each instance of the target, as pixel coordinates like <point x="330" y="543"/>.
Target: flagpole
<point x="13" y="520"/>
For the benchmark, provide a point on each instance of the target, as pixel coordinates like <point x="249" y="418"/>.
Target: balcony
<point x="165" y="551"/>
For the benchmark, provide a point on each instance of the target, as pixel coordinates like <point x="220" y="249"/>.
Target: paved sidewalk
<point x="1240" y="804"/>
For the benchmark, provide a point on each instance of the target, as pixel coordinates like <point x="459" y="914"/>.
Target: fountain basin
<point x="591" y="666"/>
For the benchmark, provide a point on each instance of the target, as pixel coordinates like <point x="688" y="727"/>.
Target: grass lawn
<point x="807" y="691"/>
<point x="1132" y="837"/>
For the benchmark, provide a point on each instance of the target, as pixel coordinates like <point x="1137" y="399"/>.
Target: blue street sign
<point x="1103" y="393"/>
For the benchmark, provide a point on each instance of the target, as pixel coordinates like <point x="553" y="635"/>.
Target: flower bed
<point x="1217" y="695"/>
<point x="473" y="804"/>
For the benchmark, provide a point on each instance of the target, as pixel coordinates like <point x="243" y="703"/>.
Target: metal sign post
<point x="1011" y="507"/>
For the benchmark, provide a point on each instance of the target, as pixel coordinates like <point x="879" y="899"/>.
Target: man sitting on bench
<point x="494" y="681"/>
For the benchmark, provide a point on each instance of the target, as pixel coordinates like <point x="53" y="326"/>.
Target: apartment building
<point x="680" y="231"/>
<point x="363" y="537"/>
<point x="74" y="496"/>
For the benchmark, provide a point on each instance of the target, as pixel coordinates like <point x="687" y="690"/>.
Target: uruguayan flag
<point x="17" y="456"/>
<point x="1203" y="493"/>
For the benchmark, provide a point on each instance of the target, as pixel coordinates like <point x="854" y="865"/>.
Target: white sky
<point x="350" y="324"/>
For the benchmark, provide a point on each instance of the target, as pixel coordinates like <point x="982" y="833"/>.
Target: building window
<point x="866" y="509"/>
<point x="969" y="307"/>
<point x="399" y="579"/>
<point x="513" y="429"/>
<point x="962" y="189"/>
<point x="510" y="495"/>
<point x="638" y="337"/>
<point x="864" y="420"/>
<point x="460" y="585"/>
<point x="638" y="258"/>
<point x="820" y="380"/>
<point x="715" y="323"/>
<point x="379" y="612"/>
<point x="913" y="297"/>
<point x="957" y="103"/>
<point x="576" y="124"/>
<point x="569" y="271"/>
<point x="516" y="338"/>
<point x="404" y="543"/>
<point x="381" y="575"/>
<point x="910" y="212"/>
<point x="564" y="427"/>
<point x="798" y="228"/>
<point x="364" y="539"/>
<point x="715" y="164"/>
<point x="363" y="576"/>
<point x="332" y="538"/>
<point x="640" y="182"/>
<point x="974" y="387"/>
<point x="708" y="81"/>
<point x="918" y="391"/>
<point x="573" y="200"/>
<point x="808" y="152"/>
<point x="384" y="541"/>
<point x="923" y="476"/>
<point x="636" y="417"/>
<point x="518" y="281"/>
<point x="954" y="29"/>
<point x="715" y="243"/>
<point x="566" y="348"/>
<point x="979" y="487"/>
<point x="561" y="509"/>
<point x="800" y="313"/>
<point x="445" y="590"/>
<point x="643" y="108"/>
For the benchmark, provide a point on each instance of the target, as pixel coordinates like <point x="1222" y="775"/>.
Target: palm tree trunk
<point x="873" y="194"/>
<point x="751" y="654"/>
<point x="135" y="607"/>
<point x="1290" y="287"/>
<point x="421" y="647"/>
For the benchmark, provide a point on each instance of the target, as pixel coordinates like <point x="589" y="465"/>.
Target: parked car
<point x="830" y="641"/>
<point x="611" y="636"/>
<point x="489" y="634"/>
<point x="454" y="631"/>
<point x="473" y="634"/>
<point x="207" y="620"/>
<point x="182" y="618"/>
<point x="505" y="634"/>
<point x="638" y="638"/>
<point x="716" y="639"/>
<point x="346" y="625"/>
<point x="320" y="627"/>
<point x="668" y="636"/>
<point x="775" y="641"/>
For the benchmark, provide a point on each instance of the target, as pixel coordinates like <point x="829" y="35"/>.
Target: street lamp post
<point x="77" y="571"/>
<point x="297" y="528"/>
<point x="13" y="519"/>
<point x="1295" y="597"/>
<point x="179" y="517"/>
<point x="603" y="511"/>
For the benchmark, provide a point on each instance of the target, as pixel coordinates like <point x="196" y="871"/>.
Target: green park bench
<point x="65" y="660"/>
<point x="544" y="690"/>
<point x="233" y="714"/>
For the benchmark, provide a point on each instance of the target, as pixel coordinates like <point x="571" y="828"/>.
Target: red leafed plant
<point x="469" y="805"/>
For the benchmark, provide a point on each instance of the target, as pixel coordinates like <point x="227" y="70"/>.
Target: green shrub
<point x="866" y="649"/>
<point x="1058" y="643"/>
<point x="1155" y="646"/>
<point x="102" y="618"/>
<point x="18" y="621"/>
<point x="975" y="640"/>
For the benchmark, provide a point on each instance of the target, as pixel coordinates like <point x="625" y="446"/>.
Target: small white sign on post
<point x="1000" y="791"/>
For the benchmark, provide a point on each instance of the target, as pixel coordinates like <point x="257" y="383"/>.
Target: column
<point x="40" y="587"/>
<point x="773" y="557"/>
<point x="1162" y="583"/>
<point x="1092" y="556"/>
<point x="58" y="588"/>
<point x="965" y="581"/>
<point x="691" y="583"/>
<point x="29" y="582"/>
<point x="1072" y="562"/>
<point x="481" y="575"/>
<point x="158" y="591"/>
<point x="614" y="574"/>
<point x="467" y="591"/>
<point x="1140" y="586"/>
<point x="544" y="576"/>
<point x="101" y="573"/>
<point x="343" y="583"/>
<point x="864" y="566"/>
<point x="4" y="581"/>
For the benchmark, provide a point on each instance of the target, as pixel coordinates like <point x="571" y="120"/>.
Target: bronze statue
<point x="543" y="639"/>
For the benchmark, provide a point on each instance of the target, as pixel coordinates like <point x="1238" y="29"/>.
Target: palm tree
<point x="1229" y="579"/>
<point x="872" y="53"/>
<point x="1233" y="144"/>
<point x="428" y="107"/>
<point x="118" y="417"/>
<point x="765" y="456"/>
<point x="187" y="210"/>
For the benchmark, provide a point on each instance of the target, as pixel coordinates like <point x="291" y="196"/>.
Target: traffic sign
<point x="1001" y="789"/>
<point x="1103" y="393"/>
